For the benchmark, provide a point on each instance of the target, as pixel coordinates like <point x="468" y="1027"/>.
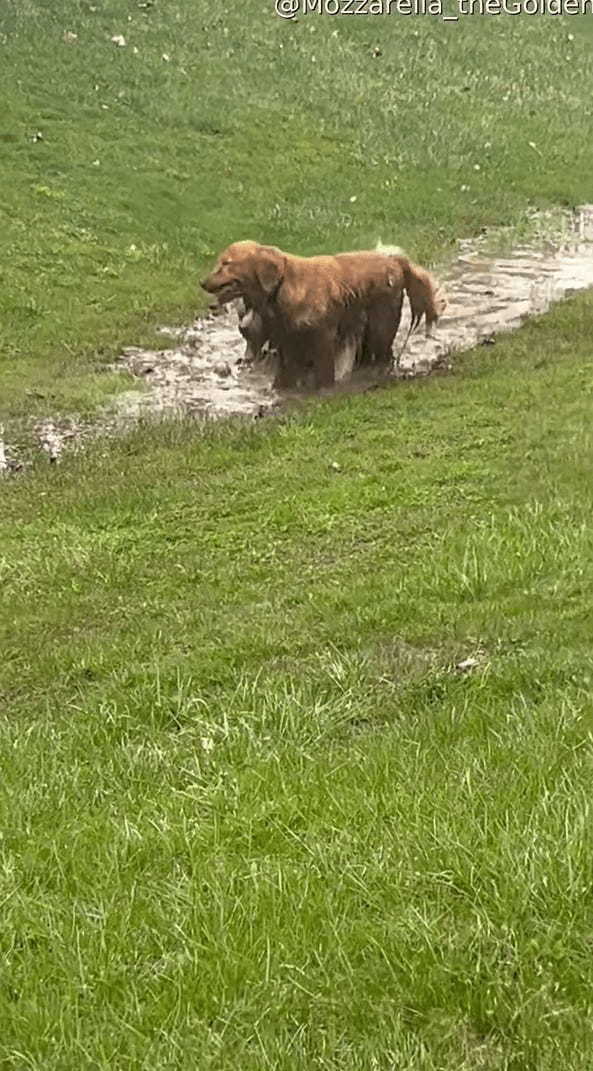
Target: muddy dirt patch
<point x="204" y="372"/>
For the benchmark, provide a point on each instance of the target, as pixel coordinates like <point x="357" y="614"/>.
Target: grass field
<point x="296" y="742"/>
<point x="253" y="814"/>
<point x="251" y="127"/>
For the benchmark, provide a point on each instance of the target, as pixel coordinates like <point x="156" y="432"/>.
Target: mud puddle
<point x="490" y="295"/>
<point x="204" y="372"/>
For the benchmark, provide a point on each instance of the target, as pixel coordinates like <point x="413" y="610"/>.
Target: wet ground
<point x="204" y="372"/>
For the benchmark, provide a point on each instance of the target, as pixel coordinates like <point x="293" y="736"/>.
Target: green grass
<point x="252" y="127"/>
<point x="253" y="816"/>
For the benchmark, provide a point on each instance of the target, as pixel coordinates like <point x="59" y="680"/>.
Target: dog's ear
<point x="270" y="268"/>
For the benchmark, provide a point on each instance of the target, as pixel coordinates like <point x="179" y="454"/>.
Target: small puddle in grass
<point x="204" y="372"/>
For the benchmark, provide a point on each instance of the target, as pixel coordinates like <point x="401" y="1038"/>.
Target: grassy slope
<point x="253" y="127"/>
<point x="253" y="817"/>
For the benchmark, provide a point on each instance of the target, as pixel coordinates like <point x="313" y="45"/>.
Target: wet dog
<point x="322" y="312"/>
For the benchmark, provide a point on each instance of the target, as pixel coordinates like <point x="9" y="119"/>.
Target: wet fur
<point x="323" y="312"/>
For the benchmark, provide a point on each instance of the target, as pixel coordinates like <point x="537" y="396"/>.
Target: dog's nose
<point x="204" y="284"/>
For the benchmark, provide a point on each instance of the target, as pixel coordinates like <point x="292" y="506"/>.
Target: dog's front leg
<point x="253" y="330"/>
<point x="322" y="354"/>
<point x="302" y="351"/>
<point x="290" y="367"/>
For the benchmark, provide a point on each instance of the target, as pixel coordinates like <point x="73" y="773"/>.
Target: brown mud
<point x="204" y="373"/>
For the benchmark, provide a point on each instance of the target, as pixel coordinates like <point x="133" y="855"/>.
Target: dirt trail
<point x="204" y="372"/>
<point x="489" y="295"/>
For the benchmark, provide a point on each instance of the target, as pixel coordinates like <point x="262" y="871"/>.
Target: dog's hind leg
<point x="384" y="317"/>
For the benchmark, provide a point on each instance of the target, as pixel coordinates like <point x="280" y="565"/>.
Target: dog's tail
<point x="424" y="297"/>
<point x="389" y="250"/>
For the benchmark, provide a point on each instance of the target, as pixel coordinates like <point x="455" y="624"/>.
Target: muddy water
<point x="489" y="295"/>
<point x="204" y="372"/>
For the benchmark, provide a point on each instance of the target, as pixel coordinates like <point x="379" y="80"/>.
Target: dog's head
<point x="245" y="270"/>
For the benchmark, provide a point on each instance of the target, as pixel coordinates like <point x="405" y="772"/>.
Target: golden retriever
<point x="323" y="310"/>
